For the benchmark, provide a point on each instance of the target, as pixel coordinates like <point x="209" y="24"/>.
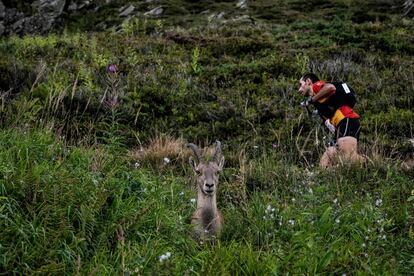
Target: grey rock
<point x="73" y="7"/>
<point x="127" y="11"/>
<point x="83" y="4"/>
<point x="2" y="29"/>
<point x="101" y="26"/>
<point x="11" y="16"/>
<point x="53" y="8"/>
<point x="155" y="12"/>
<point x="216" y="16"/>
<point x="2" y="10"/>
<point x="242" y="4"/>
<point x="220" y="15"/>
<point x="33" y="24"/>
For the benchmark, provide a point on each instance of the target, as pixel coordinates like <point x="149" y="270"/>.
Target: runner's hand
<point x="306" y="103"/>
<point x="330" y="126"/>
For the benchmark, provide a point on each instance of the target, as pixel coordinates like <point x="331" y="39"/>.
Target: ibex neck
<point x="206" y="202"/>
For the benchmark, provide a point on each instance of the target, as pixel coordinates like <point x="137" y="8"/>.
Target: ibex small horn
<point x="217" y="153"/>
<point x="196" y="151"/>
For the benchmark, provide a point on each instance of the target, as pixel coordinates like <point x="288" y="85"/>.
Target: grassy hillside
<point x="88" y="115"/>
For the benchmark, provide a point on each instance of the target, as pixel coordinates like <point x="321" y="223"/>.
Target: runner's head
<point x="305" y="83"/>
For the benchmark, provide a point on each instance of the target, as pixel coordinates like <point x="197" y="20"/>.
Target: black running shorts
<point x="348" y="127"/>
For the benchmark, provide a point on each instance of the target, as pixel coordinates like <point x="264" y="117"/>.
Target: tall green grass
<point x="67" y="209"/>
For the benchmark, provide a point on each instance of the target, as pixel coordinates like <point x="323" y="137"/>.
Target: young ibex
<point x="207" y="219"/>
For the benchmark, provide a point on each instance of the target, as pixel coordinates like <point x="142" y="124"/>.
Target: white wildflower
<point x="378" y="202"/>
<point x="268" y="208"/>
<point x="255" y="147"/>
<point x="165" y="256"/>
<point x="193" y="200"/>
<point x="137" y="165"/>
<point x="166" y="160"/>
<point x="338" y="220"/>
<point x="181" y="194"/>
<point x="335" y="201"/>
<point x="293" y="200"/>
<point x="310" y="173"/>
<point x="364" y="244"/>
<point x="291" y="222"/>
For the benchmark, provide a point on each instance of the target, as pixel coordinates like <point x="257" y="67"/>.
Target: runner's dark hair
<point x="310" y="76"/>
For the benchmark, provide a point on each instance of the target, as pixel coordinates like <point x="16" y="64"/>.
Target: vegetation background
<point x="95" y="117"/>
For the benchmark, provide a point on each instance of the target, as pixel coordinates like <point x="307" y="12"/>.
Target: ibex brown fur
<point x="207" y="219"/>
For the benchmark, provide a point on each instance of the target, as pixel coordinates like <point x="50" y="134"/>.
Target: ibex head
<point x="207" y="172"/>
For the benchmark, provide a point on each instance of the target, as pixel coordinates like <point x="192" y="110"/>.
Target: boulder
<point x="52" y="8"/>
<point x="242" y="4"/>
<point x="126" y="11"/>
<point x="33" y="24"/>
<point x="216" y="16"/>
<point x="72" y="7"/>
<point x="2" y="10"/>
<point x="2" y="13"/>
<point x="11" y="16"/>
<point x="155" y="12"/>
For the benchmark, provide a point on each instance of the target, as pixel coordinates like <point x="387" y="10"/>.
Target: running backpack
<point x="344" y="95"/>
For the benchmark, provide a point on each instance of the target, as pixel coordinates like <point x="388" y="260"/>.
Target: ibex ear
<point x="193" y="163"/>
<point x="221" y="163"/>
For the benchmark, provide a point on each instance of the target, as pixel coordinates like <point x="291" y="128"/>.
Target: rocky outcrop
<point x="242" y="4"/>
<point x="46" y="14"/>
<point x="155" y="12"/>
<point x="2" y="13"/>
<point x="51" y="8"/>
<point x="33" y="24"/>
<point x="2" y="10"/>
<point x="126" y="11"/>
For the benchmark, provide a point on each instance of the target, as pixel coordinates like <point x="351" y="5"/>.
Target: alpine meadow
<point x="104" y="105"/>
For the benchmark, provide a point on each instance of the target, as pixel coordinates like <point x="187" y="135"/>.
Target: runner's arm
<point x="325" y="91"/>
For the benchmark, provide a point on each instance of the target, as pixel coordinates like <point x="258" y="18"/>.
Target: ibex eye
<point x="198" y="172"/>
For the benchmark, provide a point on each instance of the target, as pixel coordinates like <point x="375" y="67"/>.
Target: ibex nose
<point x="209" y="185"/>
